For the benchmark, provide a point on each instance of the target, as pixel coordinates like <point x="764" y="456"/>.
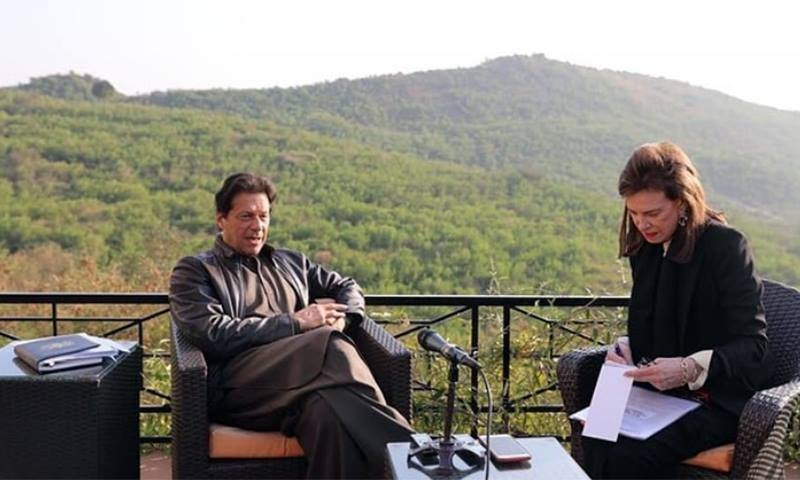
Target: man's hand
<point x="338" y="324"/>
<point x="620" y="352"/>
<point x="662" y="373"/>
<point x="321" y="314"/>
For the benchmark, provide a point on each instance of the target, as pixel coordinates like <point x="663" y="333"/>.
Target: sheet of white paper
<point x="647" y="412"/>
<point x="608" y="402"/>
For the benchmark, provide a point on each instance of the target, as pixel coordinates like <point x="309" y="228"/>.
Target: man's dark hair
<point x="243" y="182"/>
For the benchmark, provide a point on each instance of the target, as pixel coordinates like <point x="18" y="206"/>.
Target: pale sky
<point x="748" y="49"/>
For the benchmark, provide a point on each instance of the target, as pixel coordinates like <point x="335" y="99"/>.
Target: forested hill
<point x="548" y="118"/>
<point x="108" y="196"/>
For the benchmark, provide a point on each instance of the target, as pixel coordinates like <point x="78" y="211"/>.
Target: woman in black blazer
<point x="695" y="317"/>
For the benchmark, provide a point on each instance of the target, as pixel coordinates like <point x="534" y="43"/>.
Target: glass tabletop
<point x="11" y="366"/>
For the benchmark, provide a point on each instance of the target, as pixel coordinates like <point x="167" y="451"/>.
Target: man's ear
<point x="220" y="221"/>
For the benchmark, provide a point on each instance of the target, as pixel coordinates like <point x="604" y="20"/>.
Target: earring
<point x="683" y="219"/>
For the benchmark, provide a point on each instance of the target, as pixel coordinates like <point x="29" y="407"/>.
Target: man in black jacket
<point x="270" y="323"/>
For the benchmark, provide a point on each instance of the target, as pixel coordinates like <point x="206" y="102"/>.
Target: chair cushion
<point x="230" y="442"/>
<point x="719" y="459"/>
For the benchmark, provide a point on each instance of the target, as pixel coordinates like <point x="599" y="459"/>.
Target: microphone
<point x="432" y="341"/>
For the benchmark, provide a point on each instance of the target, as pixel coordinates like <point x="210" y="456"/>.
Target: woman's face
<point x="653" y="214"/>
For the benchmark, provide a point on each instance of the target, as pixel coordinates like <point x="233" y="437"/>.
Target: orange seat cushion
<point x="717" y="458"/>
<point x="230" y="442"/>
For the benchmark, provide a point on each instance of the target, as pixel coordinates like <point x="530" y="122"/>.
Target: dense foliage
<point x="546" y="118"/>
<point x="129" y="188"/>
<point x="72" y="87"/>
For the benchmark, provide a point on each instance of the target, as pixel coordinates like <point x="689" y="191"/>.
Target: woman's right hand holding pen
<point x="620" y="352"/>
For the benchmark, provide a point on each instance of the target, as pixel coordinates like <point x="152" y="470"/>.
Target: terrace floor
<point x="156" y="466"/>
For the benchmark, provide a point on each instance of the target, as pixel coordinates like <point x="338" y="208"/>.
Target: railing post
<point x="54" y="317"/>
<point x="474" y="343"/>
<point x="140" y="331"/>
<point x="506" y="366"/>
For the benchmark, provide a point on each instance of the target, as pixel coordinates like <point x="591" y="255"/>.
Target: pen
<point x="618" y="350"/>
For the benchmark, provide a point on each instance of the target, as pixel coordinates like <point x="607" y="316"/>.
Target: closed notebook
<point x="57" y="353"/>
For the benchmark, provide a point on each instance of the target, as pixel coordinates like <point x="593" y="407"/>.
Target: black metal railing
<point x="458" y="306"/>
<point x="474" y="305"/>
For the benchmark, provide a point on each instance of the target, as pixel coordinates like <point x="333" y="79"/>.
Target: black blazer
<point x="718" y="307"/>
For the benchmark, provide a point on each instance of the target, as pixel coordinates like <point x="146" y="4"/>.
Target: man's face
<point x="653" y="214"/>
<point x="246" y="225"/>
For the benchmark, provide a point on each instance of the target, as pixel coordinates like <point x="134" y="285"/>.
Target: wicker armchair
<point x="388" y="359"/>
<point x="758" y="451"/>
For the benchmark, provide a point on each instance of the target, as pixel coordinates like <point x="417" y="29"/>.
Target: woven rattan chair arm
<point x="189" y="408"/>
<point x="762" y="432"/>
<point x="577" y="374"/>
<point x="390" y="363"/>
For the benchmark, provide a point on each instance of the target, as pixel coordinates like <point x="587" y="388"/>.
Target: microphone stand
<point x="447" y="447"/>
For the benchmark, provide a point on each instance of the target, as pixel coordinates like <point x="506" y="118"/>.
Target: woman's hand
<point x="620" y="352"/>
<point x="662" y="373"/>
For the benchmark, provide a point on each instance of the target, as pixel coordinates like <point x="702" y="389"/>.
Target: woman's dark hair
<point x="666" y="168"/>
<point x="243" y="182"/>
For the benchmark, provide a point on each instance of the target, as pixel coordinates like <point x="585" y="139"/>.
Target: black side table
<point x="81" y="423"/>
